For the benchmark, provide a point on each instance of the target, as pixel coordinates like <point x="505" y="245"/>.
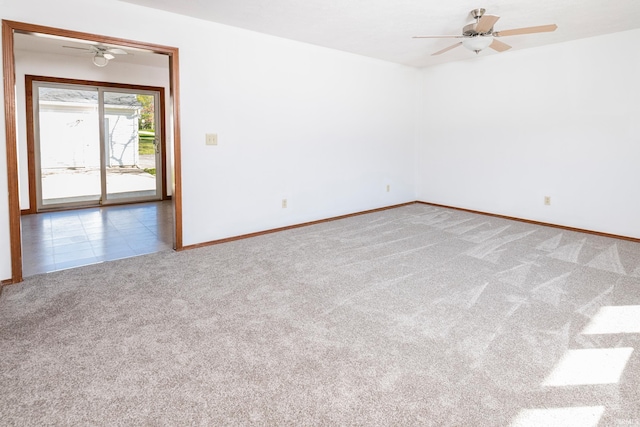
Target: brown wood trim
<point x="29" y="79"/>
<point x="8" y="61"/>
<point x="6" y="282"/>
<point x="26" y="28"/>
<point x="31" y="162"/>
<point x="275" y="230"/>
<point x="291" y="227"/>
<point x="177" y="155"/>
<point x="12" y="151"/>
<point x="27" y="212"/>
<point x="163" y="146"/>
<point x="529" y="221"/>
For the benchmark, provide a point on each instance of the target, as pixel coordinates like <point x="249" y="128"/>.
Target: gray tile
<point x="74" y="256"/>
<point x="86" y="236"/>
<point x="116" y="254"/>
<point x="76" y="263"/>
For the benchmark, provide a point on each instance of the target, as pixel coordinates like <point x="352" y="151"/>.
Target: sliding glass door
<point x="132" y="148"/>
<point x="68" y="131"/>
<point x="95" y="145"/>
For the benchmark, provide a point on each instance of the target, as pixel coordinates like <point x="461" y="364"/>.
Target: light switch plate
<point x="212" y="139"/>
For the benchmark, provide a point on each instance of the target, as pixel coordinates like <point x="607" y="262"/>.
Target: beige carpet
<point x="411" y="316"/>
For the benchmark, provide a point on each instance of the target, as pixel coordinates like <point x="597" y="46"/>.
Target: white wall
<point x="327" y="130"/>
<point x="81" y="68"/>
<point x="324" y="129"/>
<point x="503" y="131"/>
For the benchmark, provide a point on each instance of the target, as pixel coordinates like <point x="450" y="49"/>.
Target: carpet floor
<point x="417" y="315"/>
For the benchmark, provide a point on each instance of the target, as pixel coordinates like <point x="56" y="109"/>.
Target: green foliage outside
<point x="145" y="142"/>
<point x="147" y="112"/>
<point x="146" y="128"/>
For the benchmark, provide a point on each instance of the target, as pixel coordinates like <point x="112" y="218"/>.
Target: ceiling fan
<point x="479" y="35"/>
<point x="101" y="54"/>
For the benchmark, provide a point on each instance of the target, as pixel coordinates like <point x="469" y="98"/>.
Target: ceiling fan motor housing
<point x="469" y="30"/>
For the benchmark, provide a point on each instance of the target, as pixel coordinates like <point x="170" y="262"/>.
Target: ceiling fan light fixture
<point x="477" y="43"/>
<point x="99" y="60"/>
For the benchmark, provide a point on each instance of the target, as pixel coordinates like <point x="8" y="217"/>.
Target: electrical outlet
<point x="211" y="139"/>
<point x="284" y="203"/>
<point x="547" y="200"/>
<point x="388" y="188"/>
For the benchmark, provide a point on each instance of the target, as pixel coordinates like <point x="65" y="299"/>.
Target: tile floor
<point x="66" y="239"/>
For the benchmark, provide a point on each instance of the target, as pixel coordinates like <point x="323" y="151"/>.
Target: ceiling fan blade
<point x="486" y="23"/>
<point x="527" y="30"/>
<point x="437" y="37"/>
<point x="108" y="56"/>
<point x="79" y="48"/>
<point x="499" y="46"/>
<point x="446" y="49"/>
<point x="117" y="51"/>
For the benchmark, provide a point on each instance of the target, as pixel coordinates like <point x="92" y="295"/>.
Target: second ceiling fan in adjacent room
<point x="101" y="54"/>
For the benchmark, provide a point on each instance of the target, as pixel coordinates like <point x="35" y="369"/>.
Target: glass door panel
<point x="132" y="168"/>
<point x="68" y="164"/>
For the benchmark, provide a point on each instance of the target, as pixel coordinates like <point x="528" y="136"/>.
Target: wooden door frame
<point x="29" y="79"/>
<point x="9" y="28"/>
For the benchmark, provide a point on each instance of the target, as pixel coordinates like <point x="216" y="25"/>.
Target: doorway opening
<point x="12" y="28"/>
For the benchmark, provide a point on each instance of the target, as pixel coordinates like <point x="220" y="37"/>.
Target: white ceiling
<point x="383" y="28"/>
<point x="63" y="46"/>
